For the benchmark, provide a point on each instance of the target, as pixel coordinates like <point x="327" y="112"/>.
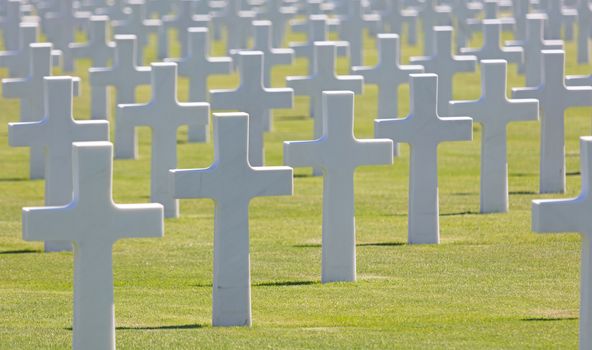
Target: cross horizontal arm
<point x="301" y="85"/>
<point x="374" y="152"/>
<point x="224" y="99"/>
<point x="526" y="92"/>
<point x="25" y="134"/>
<point x="138" y="220"/>
<point x="558" y="215"/>
<point x="353" y="83"/>
<point x="14" y="88"/>
<point x="193" y="183"/>
<point x="48" y="223"/>
<point x="302" y="154"/>
<point x="273" y="181"/>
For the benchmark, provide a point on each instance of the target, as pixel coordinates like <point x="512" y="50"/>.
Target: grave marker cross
<point x="56" y="132"/>
<point x="232" y="182"/>
<point x="164" y="115"/>
<point x="338" y="153"/>
<point x="554" y="98"/>
<point x="573" y="215"/>
<point x="388" y="74"/>
<point x="253" y="98"/>
<point x="198" y="66"/>
<point x="124" y="76"/>
<point x="94" y="223"/>
<point x="445" y="65"/>
<point x="494" y="111"/>
<point x="491" y="49"/>
<point x="424" y="130"/>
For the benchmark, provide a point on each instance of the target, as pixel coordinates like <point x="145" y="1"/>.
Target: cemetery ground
<point x="491" y="283"/>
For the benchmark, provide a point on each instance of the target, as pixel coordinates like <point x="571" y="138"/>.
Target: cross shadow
<point x="307" y="245"/>
<point x="522" y="175"/>
<point x="549" y="319"/>
<point x="302" y="175"/>
<point x="292" y="117"/>
<point x="21" y="251"/>
<point x="462" y="213"/>
<point x="285" y="283"/>
<point x="573" y="173"/>
<point x="465" y="194"/>
<point x="381" y="244"/>
<point x="154" y="328"/>
<point x="15" y="179"/>
<point x="521" y="193"/>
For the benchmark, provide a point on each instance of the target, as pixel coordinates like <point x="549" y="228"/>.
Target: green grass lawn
<point x="491" y="283"/>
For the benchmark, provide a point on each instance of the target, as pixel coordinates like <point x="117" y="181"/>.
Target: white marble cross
<point x="433" y="15"/>
<point x="279" y="15"/>
<point x="533" y="46"/>
<point x="323" y="78"/>
<point x="424" y="130"/>
<point x="584" y="31"/>
<point x="253" y="98"/>
<point x="559" y="18"/>
<point x="99" y="49"/>
<point x="181" y="21"/>
<point x="125" y="77"/>
<point x="10" y="25"/>
<point x="197" y="66"/>
<point x="136" y="24"/>
<point x="94" y="223"/>
<point x="520" y="10"/>
<point x="393" y="17"/>
<point x="238" y="25"/>
<point x="445" y="65"/>
<point x="351" y="29"/>
<point x="56" y="132"/>
<point x="317" y="31"/>
<point x="464" y="14"/>
<point x="494" y="111"/>
<point x="388" y="75"/>
<point x="338" y="152"/>
<point x="232" y="182"/>
<point x="17" y="61"/>
<point x="30" y="90"/>
<point x="573" y="215"/>
<point x="271" y="56"/>
<point x="491" y="49"/>
<point x="60" y="28"/>
<point x="554" y="98"/>
<point x="164" y="115"/>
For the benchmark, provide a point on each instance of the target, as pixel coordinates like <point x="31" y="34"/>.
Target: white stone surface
<point x="253" y="98"/>
<point x="573" y="215"/>
<point x="60" y="28"/>
<point x="136" y="24"/>
<point x="494" y="111"/>
<point x="432" y="15"/>
<point x="94" y="223"/>
<point x="125" y="77"/>
<point x="554" y="98"/>
<point x="492" y="49"/>
<point x="263" y="35"/>
<point x="424" y="130"/>
<point x="584" y="31"/>
<point x="56" y="132"/>
<point x="533" y="46"/>
<point x="560" y="19"/>
<point x="317" y="31"/>
<point x="164" y="115"/>
<point x="30" y="90"/>
<point x="197" y="66"/>
<point x="17" y="61"/>
<point x="351" y="29"/>
<point x="338" y="153"/>
<point x="101" y="51"/>
<point x="279" y="14"/>
<point x="232" y="182"/>
<point x="388" y="75"/>
<point x="181" y="21"/>
<point x="445" y="65"/>
<point x="238" y="25"/>
<point x="464" y="13"/>
<point x="393" y="17"/>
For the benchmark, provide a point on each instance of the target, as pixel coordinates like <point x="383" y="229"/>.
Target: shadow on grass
<point x="465" y="194"/>
<point x="522" y="175"/>
<point x="21" y="251"/>
<point x="291" y="117"/>
<point x="461" y="213"/>
<point x="573" y="173"/>
<point x="285" y="283"/>
<point x="15" y="179"/>
<point x="549" y="319"/>
<point x="303" y="176"/>
<point x="522" y="193"/>
<point x="156" y="328"/>
<point x="369" y="244"/>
